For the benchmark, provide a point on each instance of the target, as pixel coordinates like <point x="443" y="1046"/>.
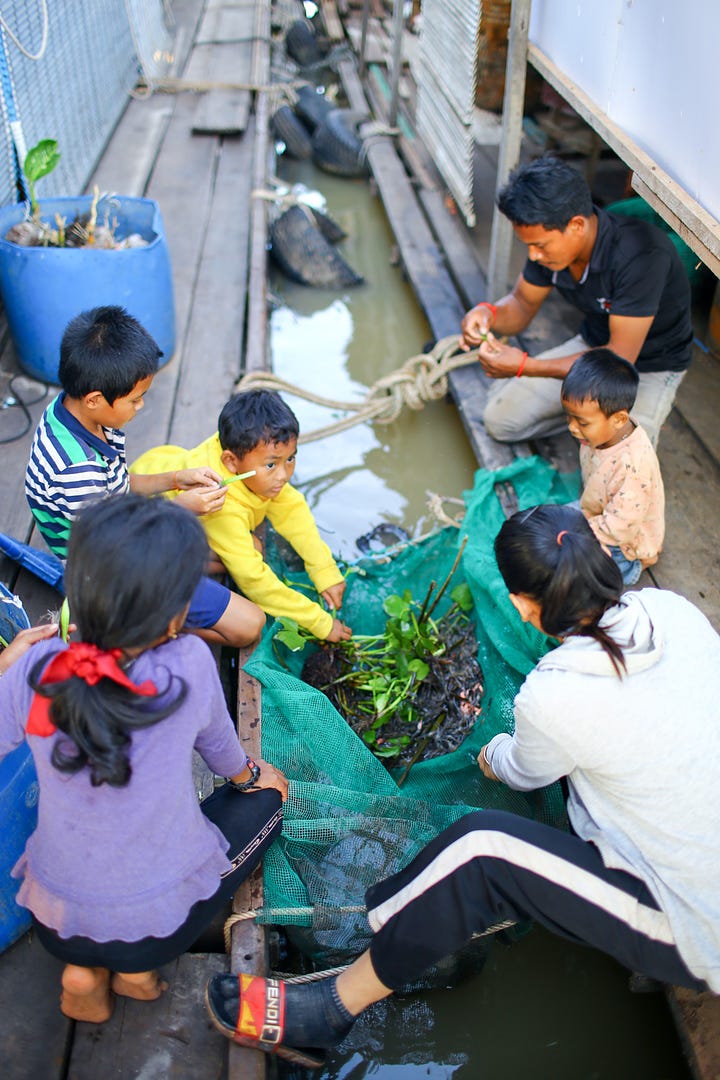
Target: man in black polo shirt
<point x="622" y="273"/>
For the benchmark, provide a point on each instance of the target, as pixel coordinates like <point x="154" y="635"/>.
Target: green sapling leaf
<point x="41" y="159"/>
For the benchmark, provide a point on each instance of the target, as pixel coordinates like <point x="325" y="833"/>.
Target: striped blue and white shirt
<point x="69" y="467"/>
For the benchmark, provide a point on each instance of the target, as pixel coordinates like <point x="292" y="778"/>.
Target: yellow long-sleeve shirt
<point x="229" y="532"/>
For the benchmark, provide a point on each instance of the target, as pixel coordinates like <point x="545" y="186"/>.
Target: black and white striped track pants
<point x="490" y="867"/>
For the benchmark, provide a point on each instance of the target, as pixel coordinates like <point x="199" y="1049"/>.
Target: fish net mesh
<point x="347" y="822"/>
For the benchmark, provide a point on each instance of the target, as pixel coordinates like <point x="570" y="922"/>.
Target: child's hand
<point x="202" y="500"/>
<point x="23" y="641"/>
<point x="339" y="632"/>
<point x="201" y="477"/>
<point x="333" y="596"/>
<point x="270" y="777"/>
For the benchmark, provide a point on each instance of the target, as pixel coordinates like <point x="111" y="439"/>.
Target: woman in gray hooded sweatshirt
<point x="626" y="708"/>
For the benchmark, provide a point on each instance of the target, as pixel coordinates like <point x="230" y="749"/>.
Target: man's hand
<point x="333" y="596"/>
<point x="339" y="632"/>
<point x="499" y="361"/>
<point x="474" y="327"/>
<point x="23" y="641"/>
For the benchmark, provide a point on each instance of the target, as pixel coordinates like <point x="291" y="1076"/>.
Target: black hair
<point x="551" y="554"/>
<point x="105" y="349"/>
<point x="254" y="417"/>
<point x="602" y="376"/>
<point x="547" y="192"/>
<point x="133" y="565"/>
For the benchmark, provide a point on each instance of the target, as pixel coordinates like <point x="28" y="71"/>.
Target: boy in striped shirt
<point x="107" y="365"/>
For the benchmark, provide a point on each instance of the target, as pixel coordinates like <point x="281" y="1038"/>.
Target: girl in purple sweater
<point x="125" y="867"/>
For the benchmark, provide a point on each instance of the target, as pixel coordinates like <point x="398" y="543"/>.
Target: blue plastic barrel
<point x="18" y="798"/>
<point x="42" y="288"/>
<point x="18" y="815"/>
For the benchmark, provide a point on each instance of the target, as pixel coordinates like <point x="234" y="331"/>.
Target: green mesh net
<point x="347" y="822"/>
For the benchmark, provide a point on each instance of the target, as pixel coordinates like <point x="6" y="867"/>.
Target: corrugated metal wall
<point x="446" y="92"/>
<point x="69" y="65"/>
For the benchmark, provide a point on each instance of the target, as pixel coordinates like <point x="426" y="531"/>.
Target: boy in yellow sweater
<point x="258" y="433"/>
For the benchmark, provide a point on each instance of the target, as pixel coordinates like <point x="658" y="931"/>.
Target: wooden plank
<point x="690" y="560"/>
<point x="698" y="1020"/>
<point x="697" y="400"/>
<point x="222" y="111"/>
<point x="144" y="122"/>
<point x="257" y="347"/>
<point x="423" y="263"/>
<point x="501" y="233"/>
<point x="702" y="231"/>
<point x="670" y="207"/>
<point x="214" y="345"/>
<point x="35" y="1032"/>
<point x="331" y="20"/>
<point x="169" y="1037"/>
<point x="182" y="183"/>
<point x="224" y="24"/>
<point x="248" y="951"/>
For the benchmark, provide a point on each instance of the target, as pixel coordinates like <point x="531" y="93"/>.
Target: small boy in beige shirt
<point x="623" y="497"/>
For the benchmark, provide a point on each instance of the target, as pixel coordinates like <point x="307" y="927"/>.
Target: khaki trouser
<point x="526" y="408"/>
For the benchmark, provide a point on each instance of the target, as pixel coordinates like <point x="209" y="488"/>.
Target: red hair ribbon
<point x="560" y="535"/>
<point x="86" y="662"/>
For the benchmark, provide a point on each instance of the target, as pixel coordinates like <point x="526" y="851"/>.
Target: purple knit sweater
<point x="125" y="863"/>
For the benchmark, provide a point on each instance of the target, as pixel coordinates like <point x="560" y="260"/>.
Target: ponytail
<point x="551" y="554"/>
<point x="133" y="566"/>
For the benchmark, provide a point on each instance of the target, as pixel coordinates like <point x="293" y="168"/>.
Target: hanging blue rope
<point x="8" y="92"/>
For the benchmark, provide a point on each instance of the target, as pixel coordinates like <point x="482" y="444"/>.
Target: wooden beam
<point x="256" y="353"/>
<point x="501" y="234"/>
<point x="701" y="231"/>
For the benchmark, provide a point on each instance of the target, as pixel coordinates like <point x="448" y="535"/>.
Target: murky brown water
<point x="542" y="1009"/>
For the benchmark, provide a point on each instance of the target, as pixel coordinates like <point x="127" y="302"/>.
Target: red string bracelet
<point x="490" y="307"/>
<point x="523" y="362"/>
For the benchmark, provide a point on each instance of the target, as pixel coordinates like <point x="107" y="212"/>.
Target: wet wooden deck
<point x="215" y="230"/>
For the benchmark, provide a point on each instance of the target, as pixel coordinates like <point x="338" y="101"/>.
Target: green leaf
<point x="396" y="606"/>
<point x="294" y="641"/>
<point x="421" y="669"/>
<point x="463" y="597"/>
<point x="41" y="159"/>
<point x="381" y="701"/>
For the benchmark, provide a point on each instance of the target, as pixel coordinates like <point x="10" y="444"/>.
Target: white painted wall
<point x="653" y="66"/>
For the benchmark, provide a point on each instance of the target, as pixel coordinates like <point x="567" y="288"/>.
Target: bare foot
<point x="86" y="994"/>
<point x="141" y="985"/>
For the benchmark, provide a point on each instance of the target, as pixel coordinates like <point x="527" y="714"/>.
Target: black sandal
<point x="259" y="1019"/>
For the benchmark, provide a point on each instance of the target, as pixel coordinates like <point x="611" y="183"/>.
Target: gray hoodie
<point x="641" y="754"/>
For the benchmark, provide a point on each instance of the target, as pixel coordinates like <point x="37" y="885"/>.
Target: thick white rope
<point x="421" y="379"/>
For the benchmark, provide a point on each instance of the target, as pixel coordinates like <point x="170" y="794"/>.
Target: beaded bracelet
<point x="523" y="362"/>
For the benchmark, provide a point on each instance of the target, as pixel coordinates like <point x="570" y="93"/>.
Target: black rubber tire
<point x="311" y="107"/>
<point x="328" y="226"/>
<point x="301" y="44"/>
<point x="337" y="147"/>
<point x="302" y="252"/>
<point x="288" y="127"/>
